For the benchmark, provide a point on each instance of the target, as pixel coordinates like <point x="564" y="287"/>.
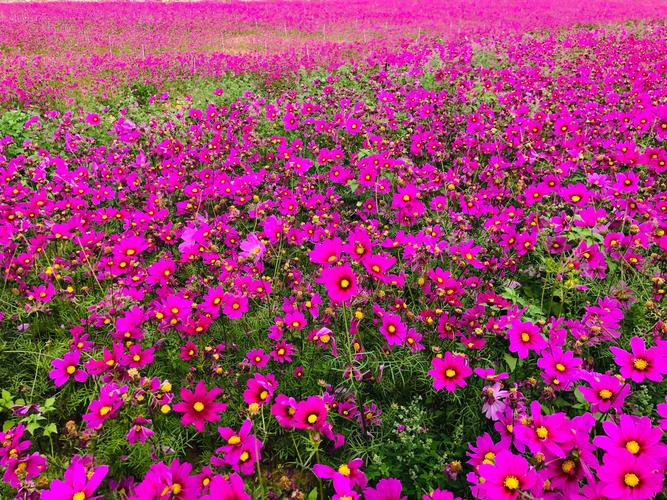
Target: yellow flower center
<point x="560" y="367"/>
<point x="605" y="394"/>
<point x="511" y="483"/>
<point x="541" y="432"/>
<point x="312" y="418"/>
<point x="244" y="456"/>
<point x="344" y="284"/>
<point x="234" y="440"/>
<point x="263" y="395"/>
<point x="176" y="488"/>
<point x="104" y="410"/>
<point x="631" y="480"/>
<point x="70" y="369"/>
<point x="344" y="470"/>
<point x="525" y="337"/>
<point x="198" y="406"/>
<point x="79" y="496"/>
<point x="449" y="373"/>
<point x="489" y="458"/>
<point x="568" y="466"/>
<point x="633" y="447"/>
<point x="640" y="364"/>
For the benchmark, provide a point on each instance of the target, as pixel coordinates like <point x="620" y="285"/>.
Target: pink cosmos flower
<point x="351" y="471"/>
<point x="624" y="475"/>
<point x="340" y="282"/>
<point x="227" y="487"/>
<point x="284" y="410"/>
<point x="106" y="407"/>
<point x="449" y="372"/>
<point x="77" y="483"/>
<point x="259" y="389"/>
<point x="633" y="434"/>
<point x="542" y="433"/>
<point x="235" y="306"/>
<point x="484" y="450"/>
<point x="385" y="489"/>
<point x="560" y="368"/>
<point x="139" y="431"/>
<point x="493" y="400"/>
<point x="508" y="478"/>
<point x="393" y="329"/>
<point x="438" y="494"/>
<point x="258" y="358"/>
<point x="311" y="413"/>
<point x="27" y="467"/>
<point x="605" y="392"/>
<point x="642" y="363"/>
<point x="326" y="252"/>
<point x="168" y="482"/>
<point x="524" y="337"/>
<point x="66" y="368"/>
<point x="252" y="247"/>
<point x="199" y="406"/>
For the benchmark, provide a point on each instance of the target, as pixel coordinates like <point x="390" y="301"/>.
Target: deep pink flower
<point x="350" y="471"/>
<point x="624" y="475"/>
<point x="385" y="489"/>
<point x="633" y="434"/>
<point x="66" y="368"/>
<point x="77" y="484"/>
<point x="605" y="391"/>
<point x="311" y="413"/>
<point x="340" y="282"/>
<point x="228" y="487"/>
<point x="449" y="372"/>
<point x="525" y="336"/>
<point x="199" y="406"/>
<point x="641" y="363"/>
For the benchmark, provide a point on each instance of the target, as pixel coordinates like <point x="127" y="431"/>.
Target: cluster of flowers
<point x="486" y="221"/>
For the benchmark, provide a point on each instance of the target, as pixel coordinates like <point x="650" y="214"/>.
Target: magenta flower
<point x="633" y="434"/>
<point x="252" y="247"/>
<point x="27" y="467"/>
<point x="624" y="475"/>
<point x="605" y="392"/>
<point x="199" y="406"/>
<point x="228" y="487"/>
<point x="258" y="358"/>
<point x="543" y="433"/>
<point x="234" y="307"/>
<point x="139" y="431"/>
<point x="78" y="484"/>
<point x="340" y="282"/>
<point x="311" y="413"/>
<point x="66" y="368"/>
<point x="259" y="390"/>
<point x="168" y="482"/>
<point x="494" y="400"/>
<point x="385" y="489"/>
<point x="525" y="336"/>
<point x="449" y="372"/>
<point x="393" y="329"/>
<point x="350" y="471"/>
<point x="326" y="252"/>
<point x="642" y="363"/>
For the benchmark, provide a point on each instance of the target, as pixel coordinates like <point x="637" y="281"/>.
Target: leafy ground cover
<point x="345" y="250"/>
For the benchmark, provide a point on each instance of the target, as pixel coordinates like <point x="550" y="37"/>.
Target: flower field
<point x="335" y="249"/>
